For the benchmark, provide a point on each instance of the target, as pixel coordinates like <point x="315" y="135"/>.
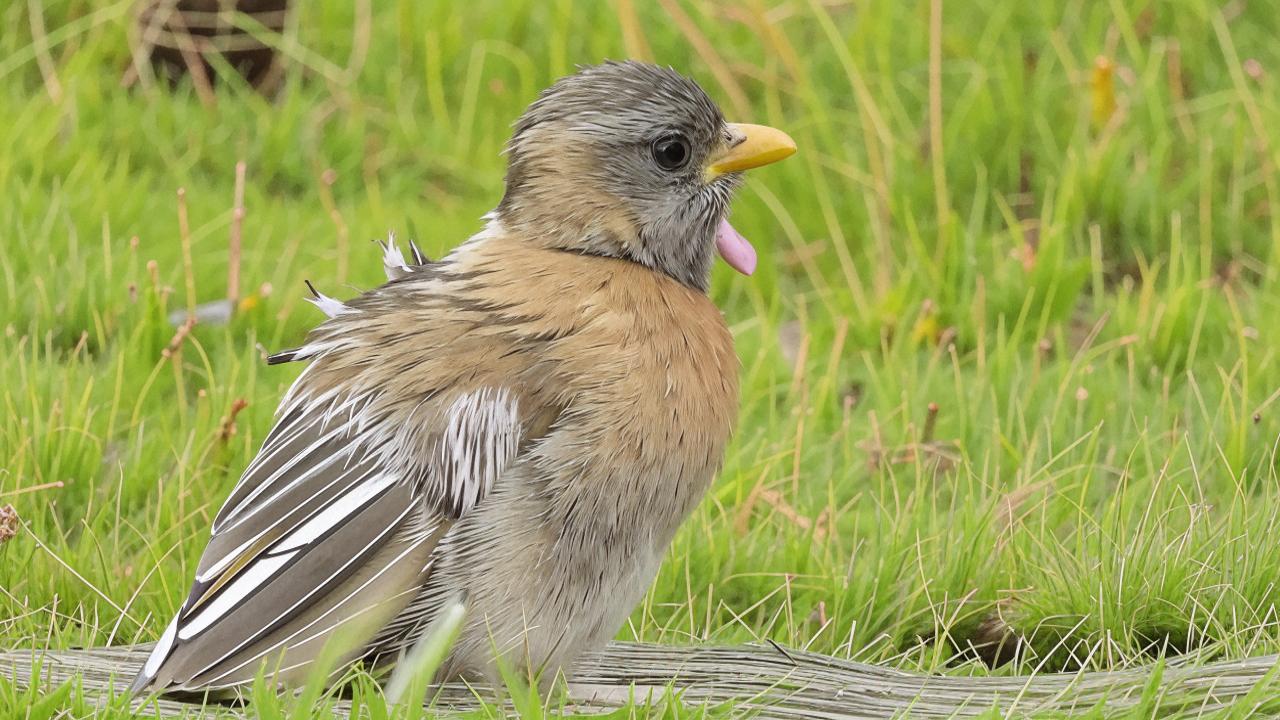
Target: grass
<point x="1009" y="363"/>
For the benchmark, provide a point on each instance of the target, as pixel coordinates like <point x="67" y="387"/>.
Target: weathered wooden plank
<point x="773" y="682"/>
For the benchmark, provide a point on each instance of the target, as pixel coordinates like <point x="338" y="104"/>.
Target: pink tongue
<point x="735" y="249"/>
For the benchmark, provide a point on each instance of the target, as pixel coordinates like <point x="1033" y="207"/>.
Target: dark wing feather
<point x="333" y="522"/>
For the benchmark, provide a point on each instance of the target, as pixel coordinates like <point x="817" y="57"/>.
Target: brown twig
<point x="40" y="42"/>
<point x="188" y="265"/>
<point x="173" y="352"/>
<point x="633" y="39"/>
<point x="1177" y="90"/>
<point x="175" y="343"/>
<point x="930" y="421"/>
<point x="706" y="50"/>
<point x="193" y="57"/>
<point x="153" y="274"/>
<point x="227" y="427"/>
<point x="817" y="525"/>
<point x="233" y="249"/>
<point x="34" y="488"/>
<point x="361" y="34"/>
<point x="799" y="388"/>
<point x="327" y="179"/>
<point x="935" y="116"/>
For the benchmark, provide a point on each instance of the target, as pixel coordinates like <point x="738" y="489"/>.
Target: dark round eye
<point x="671" y="152"/>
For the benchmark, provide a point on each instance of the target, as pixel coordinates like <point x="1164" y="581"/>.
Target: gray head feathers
<point x="584" y="173"/>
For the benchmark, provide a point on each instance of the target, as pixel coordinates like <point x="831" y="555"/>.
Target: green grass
<point x="1085" y="282"/>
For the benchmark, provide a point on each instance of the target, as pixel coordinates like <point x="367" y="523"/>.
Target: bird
<point x="517" y="429"/>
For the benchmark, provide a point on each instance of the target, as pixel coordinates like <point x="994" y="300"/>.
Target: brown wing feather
<point x="340" y="510"/>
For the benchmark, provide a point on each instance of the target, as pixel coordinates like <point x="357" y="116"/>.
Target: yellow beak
<point x="758" y="145"/>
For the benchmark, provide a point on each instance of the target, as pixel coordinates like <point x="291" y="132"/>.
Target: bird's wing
<point x="333" y="523"/>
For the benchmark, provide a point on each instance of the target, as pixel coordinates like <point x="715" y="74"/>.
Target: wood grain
<point x="769" y="680"/>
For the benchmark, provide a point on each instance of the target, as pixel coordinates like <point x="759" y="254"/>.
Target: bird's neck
<point x="589" y="227"/>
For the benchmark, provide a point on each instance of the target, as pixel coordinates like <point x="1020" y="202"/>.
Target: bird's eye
<point x="671" y="152"/>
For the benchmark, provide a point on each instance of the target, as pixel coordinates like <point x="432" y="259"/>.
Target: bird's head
<point x="634" y="161"/>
